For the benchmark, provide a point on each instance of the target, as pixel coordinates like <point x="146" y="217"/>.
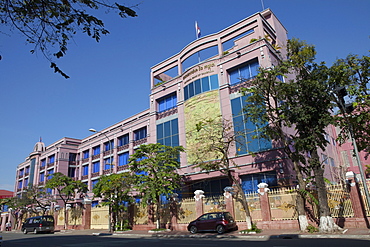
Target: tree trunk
<point x="157" y="213"/>
<point x="327" y="224"/>
<point x="302" y="219"/>
<point x="248" y="218"/>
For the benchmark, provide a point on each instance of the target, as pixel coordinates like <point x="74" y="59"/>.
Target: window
<point x="244" y="72"/>
<point x="42" y="177"/>
<point x="96" y="166"/>
<point x="27" y="171"/>
<point x="94" y="204"/>
<point x="200" y="86"/>
<point x="168" y="133"/>
<point x="248" y="140"/>
<point x="94" y="182"/>
<point x="96" y="150"/>
<point x="123" y="159"/>
<point x="250" y="181"/>
<point x="71" y="172"/>
<point x="123" y="140"/>
<point x="85" y="170"/>
<point x="21" y="172"/>
<point x="49" y="191"/>
<point x="51" y="159"/>
<point x="43" y="163"/>
<point x="50" y="173"/>
<point x="20" y="183"/>
<point x="109" y="145"/>
<point x="26" y="182"/>
<point x="72" y="157"/>
<point x="140" y="134"/>
<point x="108" y="163"/>
<point x="85" y="154"/>
<point x="167" y="102"/>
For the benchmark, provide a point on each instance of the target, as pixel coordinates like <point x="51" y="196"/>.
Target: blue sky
<point x="110" y="80"/>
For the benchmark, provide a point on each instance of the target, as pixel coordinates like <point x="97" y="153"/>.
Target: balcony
<point x="96" y="156"/>
<point x="105" y="172"/>
<point x="95" y="174"/>
<point x="108" y="152"/>
<point x="85" y="160"/>
<point x="72" y="163"/>
<point x="41" y="183"/>
<point x="122" y="168"/>
<point x="139" y="142"/>
<point x="245" y="84"/>
<point x="123" y="147"/>
<point x="167" y="113"/>
<point x="83" y="177"/>
<point x="50" y="165"/>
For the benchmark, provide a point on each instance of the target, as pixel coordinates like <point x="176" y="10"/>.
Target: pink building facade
<point x="201" y="81"/>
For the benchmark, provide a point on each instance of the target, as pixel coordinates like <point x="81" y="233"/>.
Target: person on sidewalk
<point x="8" y="226"/>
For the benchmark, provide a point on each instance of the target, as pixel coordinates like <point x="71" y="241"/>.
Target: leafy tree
<point x="114" y="189"/>
<point x="216" y="138"/>
<point x="154" y="170"/>
<point x="66" y="189"/>
<point x="17" y="207"/>
<point x="39" y="199"/>
<point x="350" y="77"/>
<point x="303" y="103"/>
<point x="49" y="24"/>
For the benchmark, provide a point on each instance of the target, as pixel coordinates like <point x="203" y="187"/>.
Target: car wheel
<point x="35" y="231"/>
<point x="193" y="229"/>
<point x="220" y="229"/>
<point x="24" y="231"/>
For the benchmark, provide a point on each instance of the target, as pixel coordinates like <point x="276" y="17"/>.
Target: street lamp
<point x="111" y="165"/>
<point x="110" y="148"/>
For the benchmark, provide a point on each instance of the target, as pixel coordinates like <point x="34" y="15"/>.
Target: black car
<point x="215" y="221"/>
<point x="38" y="224"/>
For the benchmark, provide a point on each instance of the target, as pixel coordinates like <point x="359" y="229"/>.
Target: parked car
<point x="215" y="221"/>
<point x="38" y="224"/>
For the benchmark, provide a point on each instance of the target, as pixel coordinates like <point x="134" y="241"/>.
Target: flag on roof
<point x="197" y="30"/>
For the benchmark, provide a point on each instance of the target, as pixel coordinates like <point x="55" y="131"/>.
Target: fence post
<point x="199" y="202"/>
<point x="356" y="198"/>
<point x="229" y="200"/>
<point x="264" y="200"/>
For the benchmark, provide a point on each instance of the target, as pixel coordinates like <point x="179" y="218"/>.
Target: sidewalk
<point x="356" y="233"/>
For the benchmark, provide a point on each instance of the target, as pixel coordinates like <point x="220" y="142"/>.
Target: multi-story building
<point x="201" y="81"/>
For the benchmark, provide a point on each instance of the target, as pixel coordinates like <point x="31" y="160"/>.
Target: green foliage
<point x="253" y="229"/>
<point x="52" y="23"/>
<point x="154" y="169"/>
<point x="312" y="229"/>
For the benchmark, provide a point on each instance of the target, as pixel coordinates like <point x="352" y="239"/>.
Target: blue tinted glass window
<point x="191" y="90"/>
<point x="167" y="128"/>
<point x="86" y="154"/>
<point x="214" y="81"/>
<point x="96" y="150"/>
<point x="234" y="77"/>
<point x="169" y="135"/>
<point x="254" y="69"/>
<point x="123" y="140"/>
<point x="175" y="126"/>
<point x="96" y="167"/>
<point x="140" y="133"/>
<point x="205" y="84"/>
<point x="197" y="87"/>
<point x="85" y="170"/>
<point x="94" y="182"/>
<point x="186" y="92"/>
<point x="123" y="159"/>
<point x="159" y="131"/>
<point x="167" y="102"/>
<point x="236" y="107"/>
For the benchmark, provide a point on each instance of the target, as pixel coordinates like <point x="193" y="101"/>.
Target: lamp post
<point x="111" y="170"/>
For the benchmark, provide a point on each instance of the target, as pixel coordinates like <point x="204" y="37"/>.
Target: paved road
<point x="65" y="240"/>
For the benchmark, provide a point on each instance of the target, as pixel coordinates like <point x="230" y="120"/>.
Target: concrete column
<point x="86" y="218"/>
<point x="228" y="195"/>
<point x="264" y="201"/>
<point x="199" y="202"/>
<point x="358" y="204"/>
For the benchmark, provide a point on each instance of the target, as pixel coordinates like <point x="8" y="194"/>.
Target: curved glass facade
<point x="201" y="85"/>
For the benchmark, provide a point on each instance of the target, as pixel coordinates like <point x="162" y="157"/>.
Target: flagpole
<point x="197" y="35"/>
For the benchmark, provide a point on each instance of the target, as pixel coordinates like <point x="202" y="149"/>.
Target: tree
<point x="114" y="189"/>
<point x="17" y="206"/>
<point x="154" y="169"/>
<point x="350" y="77"/>
<point x="39" y="199"/>
<point x="216" y="138"/>
<point x="66" y="189"/>
<point x="52" y="23"/>
<point x="304" y="103"/>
